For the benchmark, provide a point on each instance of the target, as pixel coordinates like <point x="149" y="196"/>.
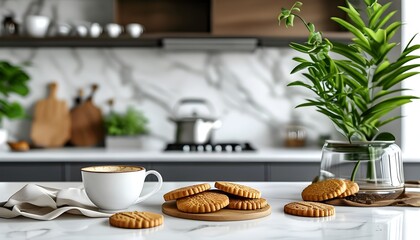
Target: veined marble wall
<point x="248" y="90"/>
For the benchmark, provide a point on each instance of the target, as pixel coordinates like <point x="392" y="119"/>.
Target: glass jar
<point x="295" y="136"/>
<point x="10" y="27"/>
<point x="376" y="166"/>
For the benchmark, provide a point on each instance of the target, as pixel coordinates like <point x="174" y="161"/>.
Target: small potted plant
<point x="13" y="80"/>
<point x="356" y="85"/>
<point x="124" y="129"/>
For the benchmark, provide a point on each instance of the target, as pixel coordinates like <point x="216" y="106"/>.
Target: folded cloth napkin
<point x="44" y="203"/>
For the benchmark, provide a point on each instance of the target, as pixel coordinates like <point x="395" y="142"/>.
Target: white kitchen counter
<point x="128" y="155"/>
<point x="382" y="223"/>
<point x="131" y="155"/>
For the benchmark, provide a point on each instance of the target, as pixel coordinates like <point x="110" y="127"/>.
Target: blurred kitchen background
<point x="231" y="54"/>
<point x="247" y="88"/>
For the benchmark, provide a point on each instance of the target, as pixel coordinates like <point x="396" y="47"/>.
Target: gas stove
<point x="210" y="147"/>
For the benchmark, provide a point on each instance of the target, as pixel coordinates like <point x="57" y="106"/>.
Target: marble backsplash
<point x="247" y="89"/>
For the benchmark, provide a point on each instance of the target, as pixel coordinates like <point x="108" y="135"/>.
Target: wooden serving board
<point x="51" y="124"/>
<point x="225" y="214"/>
<point x="87" y="126"/>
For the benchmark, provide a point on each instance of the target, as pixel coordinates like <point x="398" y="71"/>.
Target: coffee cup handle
<point x="158" y="186"/>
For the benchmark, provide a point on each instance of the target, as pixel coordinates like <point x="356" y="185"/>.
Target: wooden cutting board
<point x="51" y="123"/>
<point x="87" y="125"/>
<point x="225" y="214"/>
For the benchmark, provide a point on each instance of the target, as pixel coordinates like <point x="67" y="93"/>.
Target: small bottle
<point x="10" y="27"/>
<point x="295" y="136"/>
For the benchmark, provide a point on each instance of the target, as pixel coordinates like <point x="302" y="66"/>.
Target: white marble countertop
<point x="382" y="223"/>
<point x="131" y="155"/>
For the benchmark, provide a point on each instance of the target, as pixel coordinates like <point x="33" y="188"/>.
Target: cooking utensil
<point x="194" y="128"/>
<point x="87" y="126"/>
<point x="51" y="124"/>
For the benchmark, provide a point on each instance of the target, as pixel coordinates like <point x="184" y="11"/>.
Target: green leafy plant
<point x="13" y="80"/>
<point x="130" y="123"/>
<point x="360" y="86"/>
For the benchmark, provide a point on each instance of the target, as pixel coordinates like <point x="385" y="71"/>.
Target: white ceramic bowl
<point x="95" y="30"/>
<point x="114" y="30"/>
<point x="134" y="29"/>
<point x="63" y="29"/>
<point x="37" y="26"/>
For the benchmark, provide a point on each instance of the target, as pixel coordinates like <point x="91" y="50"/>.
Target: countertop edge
<point x="130" y="155"/>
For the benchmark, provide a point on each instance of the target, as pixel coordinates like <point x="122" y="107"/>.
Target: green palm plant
<point x="358" y="87"/>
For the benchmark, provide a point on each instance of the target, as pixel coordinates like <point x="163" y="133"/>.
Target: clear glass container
<point x="295" y="136"/>
<point x="376" y="166"/>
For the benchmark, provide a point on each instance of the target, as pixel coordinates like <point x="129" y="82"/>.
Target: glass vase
<point x="376" y="166"/>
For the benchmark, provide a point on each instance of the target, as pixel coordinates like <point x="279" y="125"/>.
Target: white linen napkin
<point x="44" y="203"/>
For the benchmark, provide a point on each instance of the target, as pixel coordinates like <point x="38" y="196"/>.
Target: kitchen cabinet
<point x="170" y="171"/>
<point x="290" y="171"/>
<point x="259" y="18"/>
<point x="179" y="171"/>
<point x="412" y="171"/>
<point x="206" y="171"/>
<point x="202" y="19"/>
<point x="30" y="171"/>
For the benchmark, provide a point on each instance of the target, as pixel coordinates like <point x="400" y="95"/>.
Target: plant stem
<point x="371" y="170"/>
<point x="303" y="21"/>
<point x="353" y="173"/>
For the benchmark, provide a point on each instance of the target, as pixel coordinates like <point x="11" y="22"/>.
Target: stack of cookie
<point x="318" y="192"/>
<point x="201" y="199"/>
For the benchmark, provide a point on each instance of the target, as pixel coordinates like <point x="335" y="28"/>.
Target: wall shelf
<point x="78" y="42"/>
<point x="155" y="40"/>
<point x="193" y="20"/>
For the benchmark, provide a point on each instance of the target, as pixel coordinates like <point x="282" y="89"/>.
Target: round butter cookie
<point x="186" y="191"/>
<point x="136" y="219"/>
<point x="324" y="190"/>
<point x="351" y="188"/>
<point x="309" y="209"/>
<point x="204" y="202"/>
<point x="238" y="189"/>
<point x="247" y="203"/>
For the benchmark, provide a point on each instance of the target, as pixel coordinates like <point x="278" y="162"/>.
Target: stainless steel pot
<point x="194" y="128"/>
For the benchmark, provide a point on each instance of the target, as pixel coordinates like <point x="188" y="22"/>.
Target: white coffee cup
<point x="95" y="30"/>
<point x="114" y="188"/>
<point x="37" y="26"/>
<point x="113" y="29"/>
<point x="134" y="29"/>
<point x="63" y="29"/>
<point x="81" y="30"/>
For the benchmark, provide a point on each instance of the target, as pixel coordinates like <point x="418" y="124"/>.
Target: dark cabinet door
<point x="34" y="172"/>
<point x="204" y="171"/>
